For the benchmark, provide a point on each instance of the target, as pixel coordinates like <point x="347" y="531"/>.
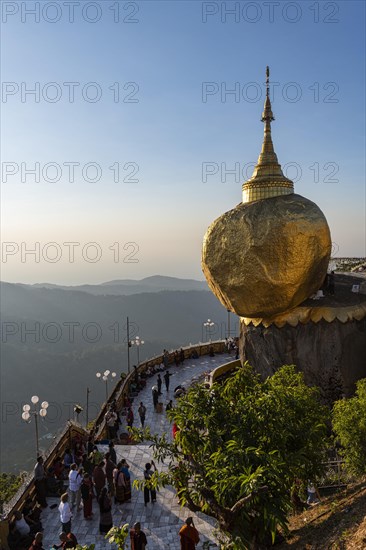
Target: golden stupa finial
<point x="267" y="114"/>
<point x="267" y="180"/>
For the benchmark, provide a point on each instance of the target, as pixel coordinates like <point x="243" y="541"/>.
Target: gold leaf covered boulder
<point x="271" y="252"/>
<point x="268" y="256"/>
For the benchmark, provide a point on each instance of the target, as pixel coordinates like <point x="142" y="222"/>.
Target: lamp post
<point x="137" y="342"/>
<point x="27" y="412"/>
<point x="128" y="346"/>
<point x="77" y="410"/>
<point x="105" y="378"/>
<point x="228" y="323"/>
<point x="87" y="407"/>
<point x="208" y="324"/>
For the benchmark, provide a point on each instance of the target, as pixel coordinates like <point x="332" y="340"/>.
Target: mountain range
<point x="125" y="287"/>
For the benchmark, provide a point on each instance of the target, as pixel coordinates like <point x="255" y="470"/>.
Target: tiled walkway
<point x="160" y="521"/>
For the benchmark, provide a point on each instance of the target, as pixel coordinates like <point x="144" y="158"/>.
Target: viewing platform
<point x="162" y="520"/>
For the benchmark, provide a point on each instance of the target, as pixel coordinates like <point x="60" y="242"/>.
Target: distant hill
<point x="176" y="314"/>
<point x="125" y="287"/>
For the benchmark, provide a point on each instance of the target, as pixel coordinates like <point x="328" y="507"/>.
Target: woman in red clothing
<point x="58" y="468"/>
<point x="99" y="477"/>
<point x="175" y="429"/>
<point x="119" y="484"/>
<point x="86" y="489"/>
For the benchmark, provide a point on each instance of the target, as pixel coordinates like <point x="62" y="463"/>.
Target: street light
<point x="128" y="346"/>
<point x="77" y="410"/>
<point x="208" y="324"/>
<point x="105" y="378"/>
<point x="228" y="323"/>
<point x="137" y="342"/>
<point x="87" y="407"/>
<point x="27" y="412"/>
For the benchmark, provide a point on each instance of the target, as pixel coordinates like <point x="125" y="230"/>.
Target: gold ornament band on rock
<point x="304" y="315"/>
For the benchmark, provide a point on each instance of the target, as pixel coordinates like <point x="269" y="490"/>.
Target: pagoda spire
<point x="267" y="179"/>
<point x="267" y="114"/>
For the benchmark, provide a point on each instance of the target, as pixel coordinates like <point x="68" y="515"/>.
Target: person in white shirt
<point x="65" y="513"/>
<point x="313" y="493"/>
<point x="75" y="481"/>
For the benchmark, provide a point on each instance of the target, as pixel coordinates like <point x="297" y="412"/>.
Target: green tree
<point x="118" y="535"/>
<point x="9" y="484"/>
<point x="239" y="448"/>
<point x="349" y="425"/>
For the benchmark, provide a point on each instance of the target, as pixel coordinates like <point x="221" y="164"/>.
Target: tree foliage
<point x="118" y="535"/>
<point x="349" y="425"/>
<point x="9" y="484"/>
<point x="239" y="448"/>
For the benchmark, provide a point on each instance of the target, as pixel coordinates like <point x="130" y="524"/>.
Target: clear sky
<point x="144" y="87"/>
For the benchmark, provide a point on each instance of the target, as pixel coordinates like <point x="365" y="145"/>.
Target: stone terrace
<point x="160" y="521"/>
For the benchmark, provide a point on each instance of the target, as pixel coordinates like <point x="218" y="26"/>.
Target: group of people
<point x="139" y="382"/>
<point x="156" y="389"/>
<point x="232" y="345"/>
<point x="25" y="531"/>
<point x="178" y="357"/>
<point x="159" y="381"/>
<point x="24" y="526"/>
<point x="93" y="476"/>
<point x="110" y="480"/>
<point x="188" y="534"/>
<point x="106" y="481"/>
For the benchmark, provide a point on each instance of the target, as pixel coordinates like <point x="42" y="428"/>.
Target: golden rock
<point x="271" y="252"/>
<point x="266" y="257"/>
